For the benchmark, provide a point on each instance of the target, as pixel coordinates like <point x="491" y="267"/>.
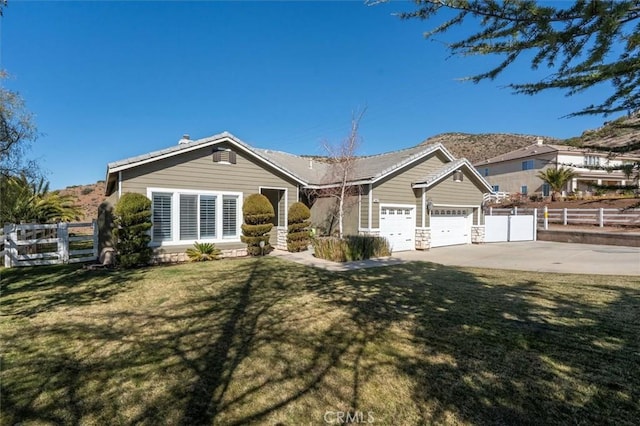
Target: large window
<point x="208" y="216"/>
<point x="161" y="214"/>
<point x="229" y="214"/>
<point x="185" y="216"/>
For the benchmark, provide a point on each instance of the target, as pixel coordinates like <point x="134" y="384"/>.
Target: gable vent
<point x="222" y="155"/>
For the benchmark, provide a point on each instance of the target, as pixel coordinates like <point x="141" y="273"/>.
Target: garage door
<point x="398" y="225"/>
<point x="450" y="227"/>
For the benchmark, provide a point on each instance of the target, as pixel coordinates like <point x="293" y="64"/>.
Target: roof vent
<point x="540" y="141"/>
<point x="185" y="139"/>
<point x="310" y="163"/>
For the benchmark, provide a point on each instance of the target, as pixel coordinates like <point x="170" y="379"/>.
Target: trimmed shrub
<point x="298" y="236"/>
<point x="202" y="252"/>
<point x="356" y="247"/>
<point x="132" y="221"/>
<point x="258" y="214"/>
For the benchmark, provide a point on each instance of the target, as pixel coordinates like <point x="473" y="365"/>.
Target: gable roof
<point x="535" y="149"/>
<point x="127" y="163"/>
<point x="305" y="171"/>
<point x="447" y="170"/>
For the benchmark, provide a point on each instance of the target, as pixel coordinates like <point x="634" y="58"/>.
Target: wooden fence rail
<point x="600" y="217"/>
<point x="48" y="244"/>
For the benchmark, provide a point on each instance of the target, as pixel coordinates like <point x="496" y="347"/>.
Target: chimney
<point x="185" y="139"/>
<point x="540" y="141"/>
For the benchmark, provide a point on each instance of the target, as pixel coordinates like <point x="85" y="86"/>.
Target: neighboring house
<point x="517" y="171"/>
<point x="419" y="197"/>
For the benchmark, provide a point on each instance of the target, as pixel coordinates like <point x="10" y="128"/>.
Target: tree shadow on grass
<point x="182" y="361"/>
<point x="267" y="341"/>
<point x="29" y="290"/>
<point x="496" y="351"/>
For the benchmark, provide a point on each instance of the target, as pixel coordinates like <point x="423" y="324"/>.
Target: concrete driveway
<point x="542" y="256"/>
<point x="539" y="256"/>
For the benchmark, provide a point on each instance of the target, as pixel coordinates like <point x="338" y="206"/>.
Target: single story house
<point x="517" y="171"/>
<point x="418" y="198"/>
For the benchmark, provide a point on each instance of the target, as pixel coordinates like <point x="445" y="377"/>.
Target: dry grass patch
<point x="269" y="342"/>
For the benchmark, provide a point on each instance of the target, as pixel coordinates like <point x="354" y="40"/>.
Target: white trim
<point x="198" y="145"/>
<point x="457" y="205"/>
<point x="359" y="210"/>
<point x="468" y="166"/>
<point x="335" y="185"/>
<point x="396" y="167"/>
<point x="286" y="202"/>
<point x="371" y="207"/>
<point x="423" y="202"/>
<point x="175" y="219"/>
<point x="395" y="206"/>
<point x="119" y="185"/>
<point x="425" y="153"/>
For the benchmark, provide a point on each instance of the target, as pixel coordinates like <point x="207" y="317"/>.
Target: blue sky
<point x="110" y="80"/>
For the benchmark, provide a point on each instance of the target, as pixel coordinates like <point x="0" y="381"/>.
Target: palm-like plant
<point x="25" y="201"/>
<point x="201" y="252"/>
<point x="556" y="179"/>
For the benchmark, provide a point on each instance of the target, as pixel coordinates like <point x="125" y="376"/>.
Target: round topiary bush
<point x="298" y="236"/>
<point x="132" y="220"/>
<point x="258" y="214"/>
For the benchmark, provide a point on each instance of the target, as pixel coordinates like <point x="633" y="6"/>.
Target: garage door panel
<point x="450" y="227"/>
<point x="397" y="224"/>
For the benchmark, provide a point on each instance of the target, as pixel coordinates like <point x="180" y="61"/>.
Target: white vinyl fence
<point x="510" y="228"/>
<point x="48" y="244"/>
<point x="600" y="217"/>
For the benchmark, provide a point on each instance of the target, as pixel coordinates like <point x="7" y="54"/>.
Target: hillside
<point x="621" y="135"/>
<point x="89" y="198"/>
<point x="477" y="147"/>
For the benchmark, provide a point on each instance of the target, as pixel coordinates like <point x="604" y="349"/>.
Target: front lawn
<point x="270" y="342"/>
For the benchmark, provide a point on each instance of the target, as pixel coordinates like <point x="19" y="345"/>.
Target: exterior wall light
<point x="458" y="176"/>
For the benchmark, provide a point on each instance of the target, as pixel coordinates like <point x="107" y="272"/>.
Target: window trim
<point x="175" y="216"/>
<point x="526" y="163"/>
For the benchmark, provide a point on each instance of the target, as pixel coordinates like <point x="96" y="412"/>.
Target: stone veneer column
<point x="423" y="238"/>
<point x="281" y="240"/>
<point x="477" y="234"/>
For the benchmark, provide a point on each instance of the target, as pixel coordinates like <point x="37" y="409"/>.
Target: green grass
<point x="265" y="341"/>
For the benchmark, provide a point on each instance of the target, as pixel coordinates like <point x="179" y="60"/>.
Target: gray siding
<point x="466" y="193"/>
<point x="510" y="177"/>
<point x="396" y="189"/>
<point x="364" y="207"/>
<point x="196" y="170"/>
<point x="324" y="215"/>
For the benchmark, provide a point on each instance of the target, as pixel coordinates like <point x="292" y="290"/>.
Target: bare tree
<point x="342" y="162"/>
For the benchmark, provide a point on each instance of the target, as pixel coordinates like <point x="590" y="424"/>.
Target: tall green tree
<point x="585" y="43"/>
<point x="132" y="222"/>
<point x="556" y="179"/>
<point x="17" y="133"/>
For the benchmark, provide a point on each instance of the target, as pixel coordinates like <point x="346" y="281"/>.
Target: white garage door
<point x="450" y="226"/>
<point x="398" y="225"/>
